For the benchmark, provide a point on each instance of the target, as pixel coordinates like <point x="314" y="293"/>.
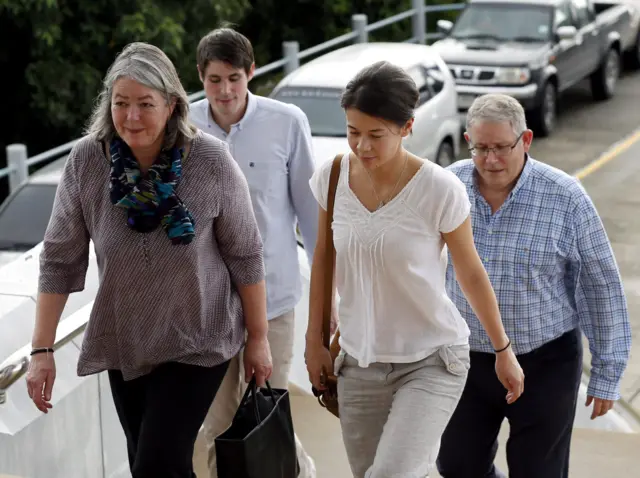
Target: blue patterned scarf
<point x="150" y="200"/>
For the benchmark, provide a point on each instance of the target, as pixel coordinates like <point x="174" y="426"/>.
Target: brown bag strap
<point x="329" y="253"/>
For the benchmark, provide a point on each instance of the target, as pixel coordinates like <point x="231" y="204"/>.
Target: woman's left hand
<point x="257" y="360"/>
<point x="510" y="374"/>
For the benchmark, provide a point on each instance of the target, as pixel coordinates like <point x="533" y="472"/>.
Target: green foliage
<point x="311" y="22"/>
<point x="73" y="42"/>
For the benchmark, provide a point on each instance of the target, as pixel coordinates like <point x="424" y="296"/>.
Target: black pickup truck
<point x="534" y="50"/>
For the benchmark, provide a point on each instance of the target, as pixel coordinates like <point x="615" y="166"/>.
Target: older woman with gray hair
<point x="179" y="258"/>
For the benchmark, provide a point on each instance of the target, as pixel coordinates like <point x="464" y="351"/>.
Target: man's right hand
<point x="318" y="360"/>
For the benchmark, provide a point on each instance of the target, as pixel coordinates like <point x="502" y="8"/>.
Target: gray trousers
<point x="393" y="414"/>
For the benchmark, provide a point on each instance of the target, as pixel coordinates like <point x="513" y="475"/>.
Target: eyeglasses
<point x="498" y="150"/>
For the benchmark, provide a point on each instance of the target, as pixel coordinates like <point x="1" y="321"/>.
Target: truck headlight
<point x="514" y="76"/>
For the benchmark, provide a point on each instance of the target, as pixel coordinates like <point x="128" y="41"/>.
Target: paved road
<point x="587" y="130"/>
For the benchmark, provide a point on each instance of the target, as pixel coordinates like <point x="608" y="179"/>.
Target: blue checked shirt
<point x="552" y="268"/>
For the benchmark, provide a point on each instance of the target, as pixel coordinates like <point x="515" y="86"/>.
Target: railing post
<point x="419" y="22"/>
<point x="290" y="50"/>
<point x="17" y="161"/>
<point x="359" y="25"/>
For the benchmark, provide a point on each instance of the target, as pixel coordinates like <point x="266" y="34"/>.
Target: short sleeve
<point x="319" y="183"/>
<point x="455" y="206"/>
<point x="64" y="258"/>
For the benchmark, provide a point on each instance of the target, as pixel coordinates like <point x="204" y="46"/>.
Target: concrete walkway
<point x="595" y="453"/>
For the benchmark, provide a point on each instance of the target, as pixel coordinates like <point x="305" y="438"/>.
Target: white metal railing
<point x="16" y="365"/>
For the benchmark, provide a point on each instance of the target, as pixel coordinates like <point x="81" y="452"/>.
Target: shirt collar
<point x="252" y="104"/>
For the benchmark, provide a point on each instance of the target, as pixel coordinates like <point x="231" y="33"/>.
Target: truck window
<point x="582" y="13"/>
<point x="563" y="16"/>
<point x="486" y="22"/>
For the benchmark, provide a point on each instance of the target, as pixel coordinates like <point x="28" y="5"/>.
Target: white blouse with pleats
<point x="391" y="265"/>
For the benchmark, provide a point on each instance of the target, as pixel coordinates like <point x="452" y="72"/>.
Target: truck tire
<point x="445" y="156"/>
<point x="543" y="117"/>
<point x="605" y="78"/>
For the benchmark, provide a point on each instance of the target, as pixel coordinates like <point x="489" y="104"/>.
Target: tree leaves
<point x="74" y="42"/>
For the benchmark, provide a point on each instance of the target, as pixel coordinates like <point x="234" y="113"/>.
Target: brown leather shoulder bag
<point x="328" y="398"/>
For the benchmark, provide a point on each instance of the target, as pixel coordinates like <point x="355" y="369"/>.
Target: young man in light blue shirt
<point x="271" y="141"/>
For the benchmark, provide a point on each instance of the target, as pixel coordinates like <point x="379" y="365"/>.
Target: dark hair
<point x="382" y="90"/>
<point x="226" y="45"/>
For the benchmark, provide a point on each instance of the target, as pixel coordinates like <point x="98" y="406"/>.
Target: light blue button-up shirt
<point x="272" y="145"/>
<point x="552" y="268"/>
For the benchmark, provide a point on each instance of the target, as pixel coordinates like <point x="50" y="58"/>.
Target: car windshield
<point x="25" y="216"/>
<point x="322" y="107"/>
<point x="504" y="22"/>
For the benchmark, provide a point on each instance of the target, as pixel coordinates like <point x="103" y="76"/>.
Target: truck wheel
<point x="445" y="156"/>
<point x="605" y="78"/>
<point x="543" y="118"/>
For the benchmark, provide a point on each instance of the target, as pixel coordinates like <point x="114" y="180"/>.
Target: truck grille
<point x="470" y="75"/>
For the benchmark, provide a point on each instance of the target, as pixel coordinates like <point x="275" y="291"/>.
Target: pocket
<point x="263" y="177"/>
<point x="537" y="259"/>
<point x="339" y="363"/>
<point x="455" y="359"/>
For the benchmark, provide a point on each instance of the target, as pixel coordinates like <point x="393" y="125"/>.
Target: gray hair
<point x="499" y="109"/>
<point x="151" y="67"/>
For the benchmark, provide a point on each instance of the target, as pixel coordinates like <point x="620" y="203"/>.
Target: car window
<point x="487" y="22"/>
<point x="322" y="107"/>
<point x="25" y="215"/>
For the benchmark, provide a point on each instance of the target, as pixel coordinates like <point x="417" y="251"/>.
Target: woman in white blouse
<point x="404" y="346"/>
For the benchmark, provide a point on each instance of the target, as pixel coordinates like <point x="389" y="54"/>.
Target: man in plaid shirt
<point x="553" y="270"/>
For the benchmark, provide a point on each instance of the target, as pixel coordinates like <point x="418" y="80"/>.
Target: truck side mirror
<point x="444" y="26"/>
<point x="566" y="32"/>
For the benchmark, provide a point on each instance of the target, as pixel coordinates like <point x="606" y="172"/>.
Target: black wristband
<point x="41" y="350"/>
<point x="504" y="348"/>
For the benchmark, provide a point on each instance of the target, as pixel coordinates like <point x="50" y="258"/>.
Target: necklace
<point x="390" y="195"/>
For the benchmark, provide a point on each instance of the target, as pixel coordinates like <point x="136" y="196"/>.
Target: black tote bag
<point x="260" y="442"/>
